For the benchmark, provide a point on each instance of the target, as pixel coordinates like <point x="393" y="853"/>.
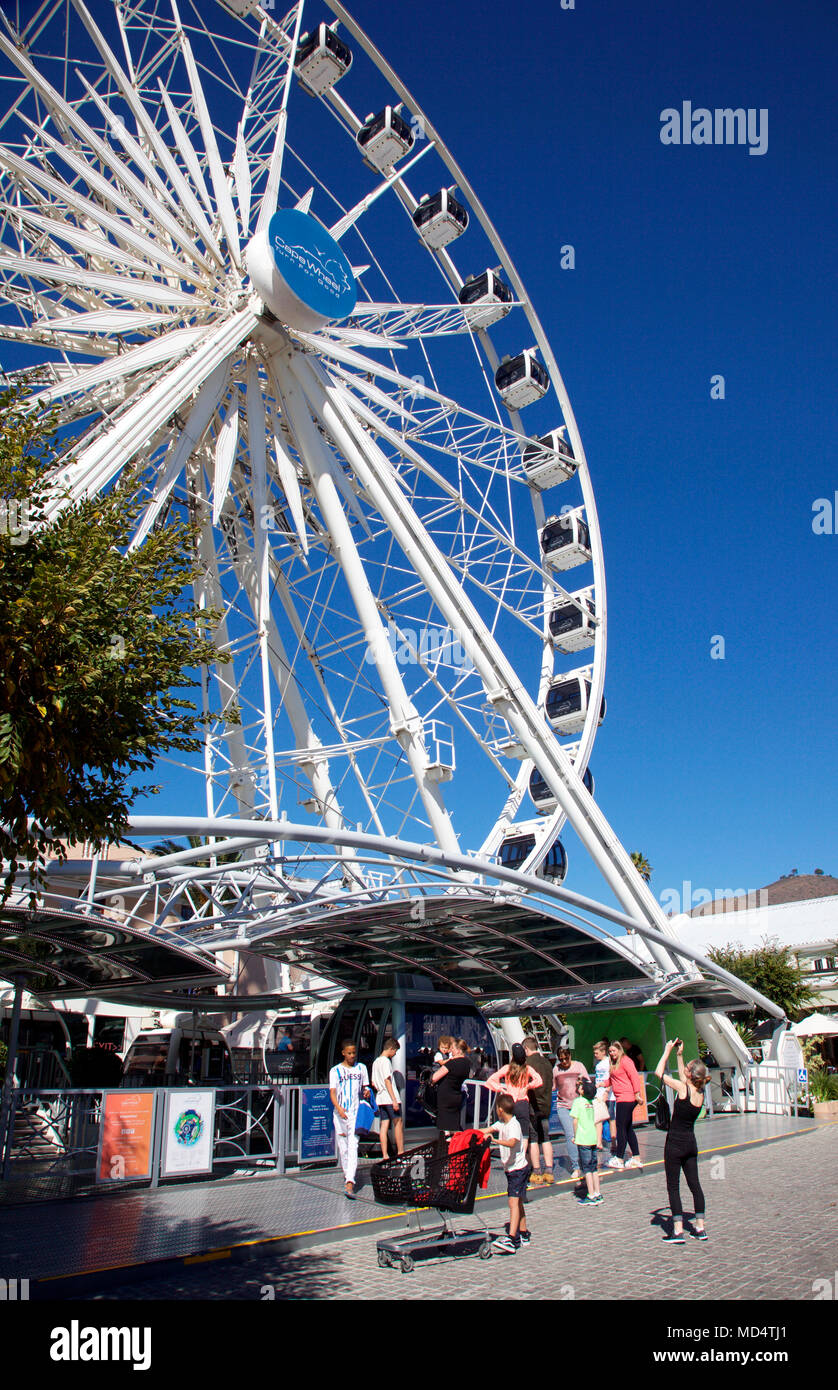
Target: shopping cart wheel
<point x="383" y="1260"/>
<point x="407" y="1264"/>
<point x="485" y="1251"/>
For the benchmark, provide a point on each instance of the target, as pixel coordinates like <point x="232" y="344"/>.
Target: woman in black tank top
<point x="681" y="1150"/>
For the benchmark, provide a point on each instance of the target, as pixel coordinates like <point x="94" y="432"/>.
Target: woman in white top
<point x="387" y="1097"/>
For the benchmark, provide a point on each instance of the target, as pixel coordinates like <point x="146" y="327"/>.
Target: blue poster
<point x="317" y="1132"/>
<point x="554" y="1112"/>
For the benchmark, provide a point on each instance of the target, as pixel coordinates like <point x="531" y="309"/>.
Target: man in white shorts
<point x="349" y="1084"/>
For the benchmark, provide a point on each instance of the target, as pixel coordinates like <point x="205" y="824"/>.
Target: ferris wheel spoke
<point x="148" y="129"/>
<point x="102" y="460"/>
<point x="69" y="120"/>
<point x="224" y="202"/>
<point x="187" y="440"/>
<point x="405" y="720"/>
<point x="27" y="174"/>
<point x="164" y="349"/>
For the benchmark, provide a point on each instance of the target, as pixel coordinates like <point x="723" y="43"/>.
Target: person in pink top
<point x="566" y="1076"/>
<point x="516" y="1081"/>
<point x="625" y="1088"/>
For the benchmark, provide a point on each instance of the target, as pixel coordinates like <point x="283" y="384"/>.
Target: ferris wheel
<point x="240" y="261"/>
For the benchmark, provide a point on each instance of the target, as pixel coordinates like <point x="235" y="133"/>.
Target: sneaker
<point x="548" y="1180"/>
<point x="350" y="1191"/>
<point x="524" y="1237"/>
<point x="504" y="1245"/>
<point x="598" y="1199"/>
<point x="634" y="1162"/>
<point x="535" y="1180"/>
<point x="615" y="1162"/>
<point x="587" y="1201"/>
<point x="698" y="1235"/>
<point x="674" y="1240"/>
<point x="576" y="1174"/>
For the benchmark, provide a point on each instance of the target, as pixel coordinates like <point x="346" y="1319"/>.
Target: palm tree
<point x="641" y="864"/>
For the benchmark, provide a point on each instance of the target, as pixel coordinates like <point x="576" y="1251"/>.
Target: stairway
<point x="33" y="1139"/>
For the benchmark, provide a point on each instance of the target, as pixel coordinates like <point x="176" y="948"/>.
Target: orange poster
<point x="126" y="1137"/>
<point x="640" y="1113"/>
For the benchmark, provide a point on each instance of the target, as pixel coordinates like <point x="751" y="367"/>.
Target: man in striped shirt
<point x="349" y="1084"/>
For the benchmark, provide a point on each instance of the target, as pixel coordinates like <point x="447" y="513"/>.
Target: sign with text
<point x="188" y="1132"/>
<point x="317" y="1130"/>
<point x="125" y="1136"/>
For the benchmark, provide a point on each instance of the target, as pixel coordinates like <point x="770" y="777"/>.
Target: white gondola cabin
<point x="549" y="460"/>
<point x="565" y="540"/>
<point x="517" y="848"/>
<point x="572" y="626"/>
<point x="541" y="796"/>
<point x="322" y="58"/>
<point x="521" y="380"/>
<point x="567" y="703"/>
<point x="487" y="298"/>
<point x="440" y="218"/>
<point x="385" y="138"/>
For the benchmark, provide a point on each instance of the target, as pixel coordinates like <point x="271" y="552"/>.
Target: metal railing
<point x="55" y="1132"/>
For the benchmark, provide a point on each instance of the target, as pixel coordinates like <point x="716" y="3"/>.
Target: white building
<point x="799" y="911"/>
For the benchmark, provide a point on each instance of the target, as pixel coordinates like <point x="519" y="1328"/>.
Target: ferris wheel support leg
<point x="210" y="593"/>
<point x="317" y="767"/>
<point x="405" y="720"/>
<point x="500" y="680"/>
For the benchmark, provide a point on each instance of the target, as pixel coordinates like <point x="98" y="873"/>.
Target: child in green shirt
<point x="584" y="1136"/>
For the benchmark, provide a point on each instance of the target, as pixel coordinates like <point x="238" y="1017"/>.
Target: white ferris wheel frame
<point x="319" y="406"/>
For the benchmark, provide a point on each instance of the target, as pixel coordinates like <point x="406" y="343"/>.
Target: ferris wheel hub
<point x="300" y="272"/>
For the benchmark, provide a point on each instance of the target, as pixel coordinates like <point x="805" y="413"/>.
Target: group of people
<point x="586" y="1107"/>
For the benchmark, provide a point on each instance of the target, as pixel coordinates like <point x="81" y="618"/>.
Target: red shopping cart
<point x="428" y="1177"/>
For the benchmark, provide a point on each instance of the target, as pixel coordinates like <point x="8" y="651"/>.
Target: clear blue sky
<point x="690" y="261"/>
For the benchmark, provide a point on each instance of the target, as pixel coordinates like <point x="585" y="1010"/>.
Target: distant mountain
<point x="791" y="888"/>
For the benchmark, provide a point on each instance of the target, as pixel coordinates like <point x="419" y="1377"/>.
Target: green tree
<point x="770" y="969"/>
<point x="642" y="865"/>
<point x="96" y="643"/>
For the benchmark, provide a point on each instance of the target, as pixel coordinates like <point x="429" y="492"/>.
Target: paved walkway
<point x="772" y="1218"/>
<point x="116" y="1237"/>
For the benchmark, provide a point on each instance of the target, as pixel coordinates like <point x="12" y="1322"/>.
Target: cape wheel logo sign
<point x="300" y="272"/>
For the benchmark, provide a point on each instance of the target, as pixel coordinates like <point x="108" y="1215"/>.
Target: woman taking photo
<point x="681" y="1149"/>
<point x="625" y="1088"/>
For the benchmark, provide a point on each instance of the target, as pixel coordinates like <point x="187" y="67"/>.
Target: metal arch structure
<point x="353" y="483"/>
<point x="472" y="925"/>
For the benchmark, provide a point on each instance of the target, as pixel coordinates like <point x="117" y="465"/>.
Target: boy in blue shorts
<point x="507" y="1134"/>
<point x="584" y="1136"/>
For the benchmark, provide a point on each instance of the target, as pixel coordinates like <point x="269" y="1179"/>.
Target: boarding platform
<point x="65" y="1247"/>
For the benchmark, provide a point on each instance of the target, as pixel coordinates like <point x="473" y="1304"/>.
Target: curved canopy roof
<point x="78" y="954"/>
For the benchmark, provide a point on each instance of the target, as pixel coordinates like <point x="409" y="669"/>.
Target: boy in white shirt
<point x="602" y="1114"/>
<point x="349" y="1084"/>
<point x="506" y="1133"/>
<point x="387" y="1097"/>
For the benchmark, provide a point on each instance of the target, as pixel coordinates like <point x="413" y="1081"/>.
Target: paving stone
<point x="773" y="1224"/>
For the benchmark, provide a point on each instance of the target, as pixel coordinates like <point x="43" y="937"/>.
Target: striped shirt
<point x="348" y="1083"/>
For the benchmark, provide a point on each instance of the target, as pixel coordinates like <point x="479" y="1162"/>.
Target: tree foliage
<point x="95" y="646"/>
<point x="642" y="865"/>
<point x="769" y="969"/>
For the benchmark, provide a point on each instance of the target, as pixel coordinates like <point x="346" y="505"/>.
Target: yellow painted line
<point x="400" y="1215"/>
